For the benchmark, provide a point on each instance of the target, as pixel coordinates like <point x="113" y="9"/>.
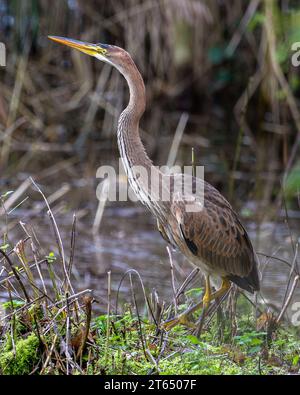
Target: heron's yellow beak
<point x="90" y="49"/>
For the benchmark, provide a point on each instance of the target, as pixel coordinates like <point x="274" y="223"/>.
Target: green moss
<point x="131" y="346"/>
<point x="184" y="354"/>
<point x="23" y="360"/>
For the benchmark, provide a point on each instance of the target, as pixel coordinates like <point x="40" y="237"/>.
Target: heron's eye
<point x="101" y="50"/>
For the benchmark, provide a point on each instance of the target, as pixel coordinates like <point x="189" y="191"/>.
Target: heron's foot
<point x="181" y="319"/>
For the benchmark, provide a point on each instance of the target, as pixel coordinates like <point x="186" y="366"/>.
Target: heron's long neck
<point x="131" y="148"/>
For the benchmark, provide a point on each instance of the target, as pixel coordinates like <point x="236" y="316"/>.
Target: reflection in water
<point x="131" y="240"/>
<point x="128" y="239"/>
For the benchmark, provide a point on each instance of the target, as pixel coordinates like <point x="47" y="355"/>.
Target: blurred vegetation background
<point x="227" y="65"/>
<point x="218" y="71"/>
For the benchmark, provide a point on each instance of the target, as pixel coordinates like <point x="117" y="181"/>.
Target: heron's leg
<point x="183" y="318"/>
<point x="205" y="302"/>
<point x="208" y="296"/>
<point x="222" y="290"/>
<point x="219" y="293"/>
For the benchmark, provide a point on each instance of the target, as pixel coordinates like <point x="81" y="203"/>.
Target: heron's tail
<point x="251" y="282"/>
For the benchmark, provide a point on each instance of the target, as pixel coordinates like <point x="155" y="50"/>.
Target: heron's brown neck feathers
<point x="131" y="148"/>
<point x="137" y="100"/>
<point x="130" y="144"/>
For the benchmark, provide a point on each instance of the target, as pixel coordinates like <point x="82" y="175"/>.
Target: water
<point x="128" y="239"/>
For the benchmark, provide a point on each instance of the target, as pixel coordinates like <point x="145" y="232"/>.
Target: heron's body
<point x="212" y="238"/>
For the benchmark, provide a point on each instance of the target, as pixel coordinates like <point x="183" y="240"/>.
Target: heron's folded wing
<point x="216" y="235"/>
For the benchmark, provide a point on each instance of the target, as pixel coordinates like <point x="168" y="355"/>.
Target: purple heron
<point x="212" y="238"/>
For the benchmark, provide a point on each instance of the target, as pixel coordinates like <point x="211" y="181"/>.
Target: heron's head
<point x="111" y="54"/>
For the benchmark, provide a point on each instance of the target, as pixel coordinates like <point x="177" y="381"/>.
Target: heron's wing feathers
<point x="215" y="234"/>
